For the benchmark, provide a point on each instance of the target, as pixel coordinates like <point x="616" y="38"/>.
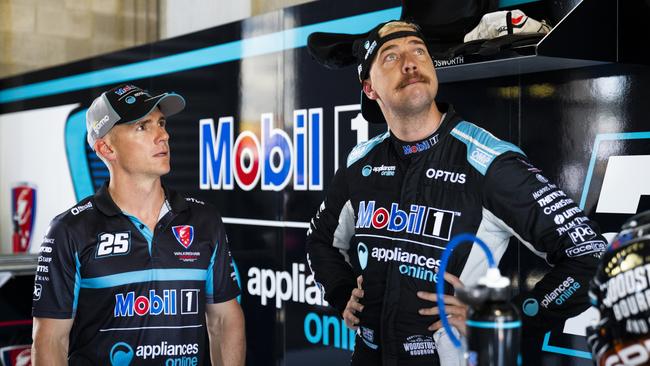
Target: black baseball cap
<point x="366" y="49"/>
<point x="126" y="103"/>
<point x="337" y="50"/>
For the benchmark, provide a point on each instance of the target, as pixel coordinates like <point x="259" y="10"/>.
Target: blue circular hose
<point x="440" y="285"/>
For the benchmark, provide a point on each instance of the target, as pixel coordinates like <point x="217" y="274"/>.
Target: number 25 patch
<point x="111" y="244"/>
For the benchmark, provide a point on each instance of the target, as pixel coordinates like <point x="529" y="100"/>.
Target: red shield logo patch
<point x="184" y="234"/>
<point x="16" y="355"/>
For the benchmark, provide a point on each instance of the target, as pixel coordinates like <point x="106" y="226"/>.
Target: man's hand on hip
<point x="353" y="306"/>
<point x="455" y="309"/>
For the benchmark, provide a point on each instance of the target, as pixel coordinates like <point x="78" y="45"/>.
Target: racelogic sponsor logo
<point x="412" y="264"/>
<point x="283" y="286"/>
<point x="561" y="293"/>
<point x="420" y="220"/>
<point x="272" y="159"/>
<point x="589" y="247"/>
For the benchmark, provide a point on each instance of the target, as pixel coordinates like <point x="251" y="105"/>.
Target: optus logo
<point x="121" y="354"/>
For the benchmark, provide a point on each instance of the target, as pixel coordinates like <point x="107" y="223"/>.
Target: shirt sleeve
<point x="549" y="223"/>
<point x="221" y="283"/>
<point x="328" y="240"/>
<point x="57" y="279"/>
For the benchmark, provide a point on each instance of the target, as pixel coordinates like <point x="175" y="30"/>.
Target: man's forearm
<point x="227" y="338"/>
<point x="232" y="342"/>
<point x="51" y="341"/>
<point x="49" y="352"/>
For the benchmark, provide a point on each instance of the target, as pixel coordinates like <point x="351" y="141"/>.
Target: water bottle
<point x="493" y="322"/>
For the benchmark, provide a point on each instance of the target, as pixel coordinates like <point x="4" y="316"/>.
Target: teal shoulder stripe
<point x="209" y="281"/>
<point x="77" y="282"/>
<point x="364" y="148"/>
<point x="148" y="275"/>
<point x="482" y="146"/>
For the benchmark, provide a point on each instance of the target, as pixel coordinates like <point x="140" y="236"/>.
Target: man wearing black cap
<point x="377" y="239"/>
<point x="137" y="273"/>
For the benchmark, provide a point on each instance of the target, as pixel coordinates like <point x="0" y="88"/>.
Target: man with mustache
<point x="376" y="241"/>
<point x="136" y="273"/>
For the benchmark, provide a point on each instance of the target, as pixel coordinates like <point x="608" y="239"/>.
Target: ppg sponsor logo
<point x="273" y="160"/>
<point x="127" y="305"/>
<point x="581" y="233"/>
<point x="590" y="247"/>
<point x="420" y="220"/>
